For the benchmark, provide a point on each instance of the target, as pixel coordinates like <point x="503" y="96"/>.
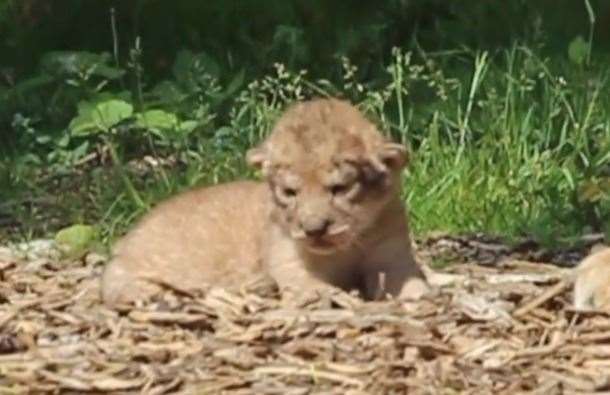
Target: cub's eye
<point x="285" y="196"/>
<point x="289" y="192"/>
<point x="349" y="190"/>
<point x="339" y="189"/>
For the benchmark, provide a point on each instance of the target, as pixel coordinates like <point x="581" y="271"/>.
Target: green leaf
<point x="43" y="139"/>
<point x="168" y="92"/>
<point x="32" y="84"/>
<point x="109" y="113"/>
<point x="62" y="63"/>
<point x="235" y="83"/>
<point x="81" y="150"/>
<point x="187" y="127"/>
<point x="64" y="140"/>
<point x="82" y="125"/>
<point x="157" y="121"/>
<point x="578" y="50"/>
<point x="188" y="66"/>
<point x="104" y="96"/>
<point x="111" y="73"/>
<point x="85" y="107"/>
<point x="76" y="240"/>
<point x="94" y="117"/>
<point x="182" y="64"/>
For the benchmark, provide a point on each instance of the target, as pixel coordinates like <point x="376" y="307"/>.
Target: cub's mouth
<point x="320" y="246"/>
<point x="335" y="239"/>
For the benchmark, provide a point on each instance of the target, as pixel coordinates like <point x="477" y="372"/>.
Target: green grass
<point x="517" y="154"/>
<point x="507" y="143"/>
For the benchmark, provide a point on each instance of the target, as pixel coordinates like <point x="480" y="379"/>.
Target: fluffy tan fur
<point x="592" y="283"/>
<point x="328" y="214"/>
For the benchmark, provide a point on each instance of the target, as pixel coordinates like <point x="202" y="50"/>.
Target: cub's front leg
<point x="298" y="282"/>
<point x="298" y="286"/>
<point x="391" y="270"/>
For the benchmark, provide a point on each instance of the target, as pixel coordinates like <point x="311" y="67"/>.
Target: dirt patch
<point x="502" y="328"/>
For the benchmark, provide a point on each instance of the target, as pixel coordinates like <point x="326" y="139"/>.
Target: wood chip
<point x="468" y="337"/>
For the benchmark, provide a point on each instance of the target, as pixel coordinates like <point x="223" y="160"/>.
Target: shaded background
<point x="302" y="33"/>
<point x="206" y="66"/>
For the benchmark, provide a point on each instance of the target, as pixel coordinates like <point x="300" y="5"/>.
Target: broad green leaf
<point x="109" y="113"/>
<point x="95" y="117"/>
<point x="82" y="125"/>
<point x="157" y="120"/>
<point x="75" y="240"/>
<point x="187" y="127"/>
<point x="578" y="50"/>
<point x="85" y="107"/>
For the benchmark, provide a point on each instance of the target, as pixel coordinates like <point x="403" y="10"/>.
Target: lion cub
<point x="592" y="284"/>
<point x="328" y="214"/>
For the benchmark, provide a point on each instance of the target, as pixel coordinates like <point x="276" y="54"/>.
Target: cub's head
<point x="331" y="173"/>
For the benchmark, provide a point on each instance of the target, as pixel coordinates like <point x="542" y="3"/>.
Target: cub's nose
<point x="316" y="227"/>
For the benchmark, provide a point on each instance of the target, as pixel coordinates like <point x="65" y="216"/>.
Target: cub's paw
<point x="415" y="289"/>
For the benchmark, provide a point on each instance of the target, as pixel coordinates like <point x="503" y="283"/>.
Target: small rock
<point x="10" y="344"/>
<point x="94" y="259"/>
<point x="36" y="249"/>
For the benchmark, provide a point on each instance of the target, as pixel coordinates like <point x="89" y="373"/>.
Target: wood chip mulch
<point x="506" y="329"/>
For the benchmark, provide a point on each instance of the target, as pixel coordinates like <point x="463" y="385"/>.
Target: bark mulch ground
<point x="500" y="324"/>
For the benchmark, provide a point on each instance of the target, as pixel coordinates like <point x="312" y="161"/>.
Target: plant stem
<point x="133" y="193"/>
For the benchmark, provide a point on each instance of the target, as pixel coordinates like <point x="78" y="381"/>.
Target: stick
<point x="546" y="295"/>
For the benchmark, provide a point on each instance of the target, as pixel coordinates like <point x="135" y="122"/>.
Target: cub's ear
<point x="394" y="156"/>
<point x="388" y="158"/>
<point x="258" y="158"/>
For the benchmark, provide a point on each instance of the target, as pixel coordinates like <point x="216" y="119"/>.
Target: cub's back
<point x="209" y="235"/>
